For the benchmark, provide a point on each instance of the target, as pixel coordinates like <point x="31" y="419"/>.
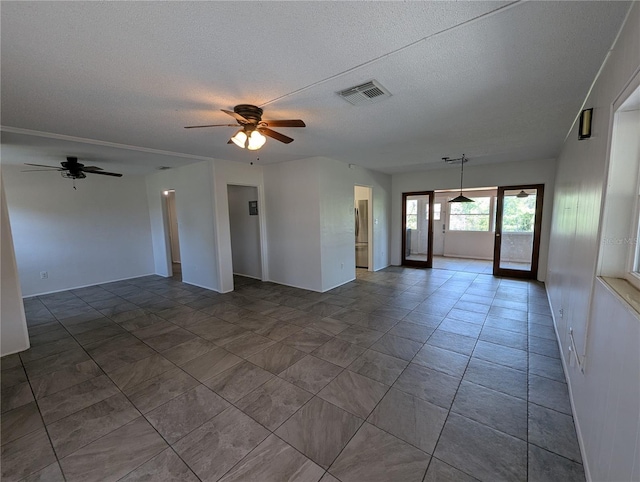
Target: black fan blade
<point x="43" y="170"/>
<point x="212" y="125"/>
<point x="104" y="173"/>
<point x="42" y="165"/>
<point x="236" y="116"/>
<point x="285" y="123"/>
<point x="91" y="168"/>
<point x="275" y="135"/>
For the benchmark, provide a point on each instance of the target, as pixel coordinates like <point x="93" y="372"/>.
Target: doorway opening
<point x="175" y="264"/>
<point x="244" y="226"/>
<point x="498" y="233"/>
<point x="363" y="226"/>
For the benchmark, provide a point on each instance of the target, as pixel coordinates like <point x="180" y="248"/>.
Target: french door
<point x="517" y="237"/>
<point x="417" y="229"/>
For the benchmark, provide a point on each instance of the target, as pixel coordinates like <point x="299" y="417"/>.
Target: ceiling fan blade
<point x="91" y="168"/>
<point x="42" y="170"/>
<point x="285" y="123"/>
<point x="42" y="165"/>
<point x="236" y="116"/>
<point x="104" y="173"/>
<point x="275" y="135"/>
<point x="212" y="125"/>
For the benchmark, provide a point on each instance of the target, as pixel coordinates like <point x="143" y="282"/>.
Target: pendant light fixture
<point x="460" y="198"/>
<point x="522" y="194"/>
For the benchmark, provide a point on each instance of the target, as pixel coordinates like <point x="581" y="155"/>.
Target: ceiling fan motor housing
<point x="249" y="112"/>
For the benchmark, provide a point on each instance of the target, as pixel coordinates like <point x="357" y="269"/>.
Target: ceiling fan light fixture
<point x="240" y="139"/>
<point x="256" y="141"/>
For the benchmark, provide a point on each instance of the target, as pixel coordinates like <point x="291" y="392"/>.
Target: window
<point x="437" y="209"/>
<point x="619" y="254"/>
<point x="412" y="214"/>
<point x="474" y="216"/>
<point x="633" y="274"/>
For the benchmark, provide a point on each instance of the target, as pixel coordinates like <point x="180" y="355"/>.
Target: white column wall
<point x="337" y="230"/>
<point x="225" y="173"/>
<point x="13" y="325"/>
<point x="196" y="223"/>
<point x="293" y="198"/>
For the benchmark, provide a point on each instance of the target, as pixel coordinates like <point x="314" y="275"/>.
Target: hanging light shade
<point x="460" y="198"/>
<point x="522" y="193"/>
<point x="256" y="141"/>
<point x="240" y="139"/>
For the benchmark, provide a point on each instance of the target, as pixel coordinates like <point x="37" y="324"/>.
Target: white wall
<point x="310" y="221"/>
<point x="196" y="229"/>
<point x="605" y="396"/>
<point x="469" y="244"/>
<point x="501" y="174"/>
<point x="292" y="196"/>
<point x="245" y="231"/>
<point x="97" y="233"/>
<point x="13" y="324"/>
<point x="337" y="181"/>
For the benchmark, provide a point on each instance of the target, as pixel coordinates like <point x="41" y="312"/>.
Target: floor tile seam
<point x="75" y="384"/>
<point x="135" y="468"/>
<point x="549" y="378"/>
<point x="555" y="453"/>
<point x="435" y="447"/>
<point x="235" y="404"/>
<point x="493" y="390"/>
<point x="552" y="409"/>
<point x="239" y="463"/>
<point x="505" y="346"/>
<point x="92" y="441"/>
<point x="273" y="432"/>
<point x="44" y="427"/>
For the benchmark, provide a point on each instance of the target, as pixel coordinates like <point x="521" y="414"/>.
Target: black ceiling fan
<point x="72" y="169"/>
<point x="249" y="117"/>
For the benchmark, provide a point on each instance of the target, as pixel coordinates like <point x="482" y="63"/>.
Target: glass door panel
<point x="417" y="229"/>
<point x="517" y="239"/>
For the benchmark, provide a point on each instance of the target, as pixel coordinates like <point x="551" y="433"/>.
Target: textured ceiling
<point x="498" y="81"/>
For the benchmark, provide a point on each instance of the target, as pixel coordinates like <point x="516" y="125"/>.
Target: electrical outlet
<point x="44" y="275"/>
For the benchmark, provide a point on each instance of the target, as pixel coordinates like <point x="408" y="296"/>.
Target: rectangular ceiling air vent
<point x="367" y="93"/>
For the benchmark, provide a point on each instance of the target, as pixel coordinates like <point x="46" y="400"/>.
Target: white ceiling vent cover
<point x="367" y="93"/>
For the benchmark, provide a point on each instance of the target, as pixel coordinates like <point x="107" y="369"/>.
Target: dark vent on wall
<point x="366" y="93"/>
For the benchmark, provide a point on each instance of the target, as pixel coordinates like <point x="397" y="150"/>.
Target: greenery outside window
<point x="474" y="216"/>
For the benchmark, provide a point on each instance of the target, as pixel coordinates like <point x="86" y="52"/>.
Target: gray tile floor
<point x="401" y="375"/>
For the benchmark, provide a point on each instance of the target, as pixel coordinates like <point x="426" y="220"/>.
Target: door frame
<point x="408" y="262"/>
<point x="537" y="230"/>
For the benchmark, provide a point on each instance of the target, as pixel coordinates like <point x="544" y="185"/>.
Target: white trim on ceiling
<point x="95" y="142"/>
